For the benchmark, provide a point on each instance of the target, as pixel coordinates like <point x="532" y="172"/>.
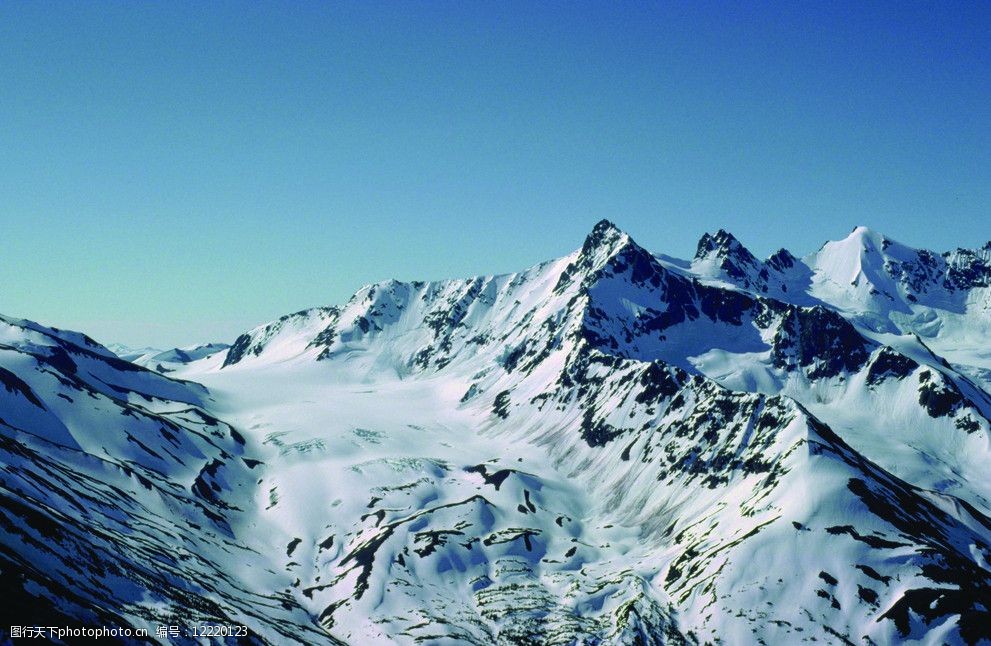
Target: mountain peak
<point x="722" y="242"/>
<point x="867" y="237"/>
<point x="782" y="259"/>
<point x="604" y="231"/>
<point x="605" y="236"/>
<point x="605" y="225"/>
<point x="726" y="255"/>
<point x="866" y="240"/>
<point x="609" y="249"/>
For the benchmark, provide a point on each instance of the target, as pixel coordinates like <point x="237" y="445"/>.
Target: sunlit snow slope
<point x="612" y="447"/>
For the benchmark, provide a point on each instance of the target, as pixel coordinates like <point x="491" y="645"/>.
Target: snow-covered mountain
<point x="121" y="496"/>
<point x="166" y="360"/>
<point x="612" y="447"/>
<point x="877" y="283"/>
<point x="128" y="353"/>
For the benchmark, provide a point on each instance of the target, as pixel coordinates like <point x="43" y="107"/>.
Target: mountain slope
<point x="118" y="493"/>
<point x="611" y="447"/>
<point x="602" y="355"/>
<point x="625" y="302"/>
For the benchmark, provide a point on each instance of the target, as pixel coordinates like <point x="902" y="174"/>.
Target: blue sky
<point x="179" y="172"/>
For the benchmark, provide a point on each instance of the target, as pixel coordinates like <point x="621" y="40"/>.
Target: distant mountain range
<point x="166" y="360"/>
<point x="612" y="447"/>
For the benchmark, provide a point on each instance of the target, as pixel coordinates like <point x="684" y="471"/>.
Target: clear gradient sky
<point x="178" y="172"/>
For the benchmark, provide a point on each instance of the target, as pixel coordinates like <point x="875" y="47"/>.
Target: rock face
<point x="612" y="447"/>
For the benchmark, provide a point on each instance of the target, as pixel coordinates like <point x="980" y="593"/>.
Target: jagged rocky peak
<point x="781" y="260"/>
<point x="721" y="255"/>
<point x="722" y="243"/>
<point x="609" y="251"/>
<point x="605" y="237"/>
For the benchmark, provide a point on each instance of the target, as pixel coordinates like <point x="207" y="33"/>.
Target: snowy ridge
<point x="611" y="447"/>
